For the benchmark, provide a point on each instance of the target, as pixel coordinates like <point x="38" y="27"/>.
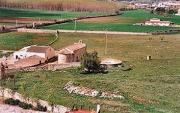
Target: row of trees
<point x="67" y="5"/>
<point x="164" y="11"/>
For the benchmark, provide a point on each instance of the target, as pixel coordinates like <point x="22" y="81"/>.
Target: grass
<point x="120" y="23"/>
<point x="5" y="12"/>
<point x="15" y="41"/>
<point x="151" y="87"/>
<point x="146" y="15"/>
<point x="107" y="26"/>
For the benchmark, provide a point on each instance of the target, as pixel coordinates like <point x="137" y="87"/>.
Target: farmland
<point x="122" y="22"/>
<point x="150" y="87"/>
<point x="6" y="12"/>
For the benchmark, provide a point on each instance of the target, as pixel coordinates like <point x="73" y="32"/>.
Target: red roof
<point x="70" y="49"/>
<point x="29" y="61"/>
<point x="38" y="49"/>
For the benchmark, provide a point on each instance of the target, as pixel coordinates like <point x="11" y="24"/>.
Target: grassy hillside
<point x="15" y="41"/>
<point x="70" y="5"/>
<point x="151" y="87"/>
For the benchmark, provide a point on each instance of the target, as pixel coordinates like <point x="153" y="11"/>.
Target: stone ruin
<point x="71" y="88"/>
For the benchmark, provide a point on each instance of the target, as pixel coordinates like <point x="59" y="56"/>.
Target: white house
<point x="178" y="14"/>
<point x="157" y="22"/>
<point x="45" y="52"/>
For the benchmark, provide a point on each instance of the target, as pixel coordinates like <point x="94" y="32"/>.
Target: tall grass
<point x="70" y="5"/>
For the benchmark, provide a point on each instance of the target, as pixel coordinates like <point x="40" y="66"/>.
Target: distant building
<point x="178" y="14"/>
<point x="72" y="53"/>
<point x="168" y="4"/>
<point x="158" y="22"/>
<point x="45" y="52"/>
<point x="142" y="5"/>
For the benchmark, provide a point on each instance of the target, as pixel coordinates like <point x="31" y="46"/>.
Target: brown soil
<point x="108" y="20"/>
<point x="141" y="100"/>
<point x="21" y="20"/>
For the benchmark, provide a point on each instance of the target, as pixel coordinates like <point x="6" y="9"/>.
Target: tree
<point x="172" y="11"/>
<point x="90" y="63"/>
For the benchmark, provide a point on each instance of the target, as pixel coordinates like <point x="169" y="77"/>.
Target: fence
<point x="8" y="93"/>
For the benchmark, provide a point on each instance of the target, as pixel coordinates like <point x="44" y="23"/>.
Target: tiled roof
<point x="29" y="61"/>
<point x="38" y="49"/>
<point x="70" y="49"/>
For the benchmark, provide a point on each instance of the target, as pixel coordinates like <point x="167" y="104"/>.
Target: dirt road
<point x="79" y="31"/>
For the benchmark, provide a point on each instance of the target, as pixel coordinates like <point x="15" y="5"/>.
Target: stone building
<point x="45" y="52"/>
<point x="72" y="53"/>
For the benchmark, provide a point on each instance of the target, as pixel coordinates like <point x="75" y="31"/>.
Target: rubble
<point x="71" y="88"/>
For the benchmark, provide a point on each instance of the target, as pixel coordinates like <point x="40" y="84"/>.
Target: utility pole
<point x="16" y="23"/>
<point x="106" y="43"/>
<point x="75" y="25"/>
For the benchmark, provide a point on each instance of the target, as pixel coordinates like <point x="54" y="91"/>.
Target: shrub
<point x="41" y="108"/>
<point x="11" y="101"/>
<point x="25" y="105"/>
<point x="90" y="63"/>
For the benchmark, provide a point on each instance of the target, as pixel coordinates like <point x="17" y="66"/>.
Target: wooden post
<point x="75" y="25"/>
<point x="149" y="57"/>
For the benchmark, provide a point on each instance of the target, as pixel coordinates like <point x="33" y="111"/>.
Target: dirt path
<point x="79" y="31"/>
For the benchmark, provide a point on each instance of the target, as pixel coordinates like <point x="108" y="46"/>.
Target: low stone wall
<point x="55" y="66"/>
<point x="71" y="88"/>
<point x="8" y="93"/>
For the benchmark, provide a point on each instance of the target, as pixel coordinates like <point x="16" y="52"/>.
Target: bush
<point x="90" y="63"/>
<point x="11" y="101"/>
<point x="41" y="108"/>
<point x="25" y="105"/>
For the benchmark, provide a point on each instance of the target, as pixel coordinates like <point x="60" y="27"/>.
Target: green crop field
<point x="118" y="23"/>
<point x="146" y="15"/>
<point x="150" y="87"/>
<point x="15" y="41"/>
<point x="122" y="22"/>
<point x="107" y="26"/>
<point x="5" y="12"/>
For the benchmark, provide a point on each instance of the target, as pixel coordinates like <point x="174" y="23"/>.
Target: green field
<point x="108" y="27"/>
<point x="146" y="15"/>
<point x="15" y="41"/>
<point x="151" y="87"/>
<point x="118" y="24"/>
<point x="43" y="14"/>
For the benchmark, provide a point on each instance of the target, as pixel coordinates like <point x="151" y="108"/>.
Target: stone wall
<point x="71" y="88"/>
<point x="8" y="93"/>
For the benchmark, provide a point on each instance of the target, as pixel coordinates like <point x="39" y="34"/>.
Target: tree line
<point x="62" y="5"/>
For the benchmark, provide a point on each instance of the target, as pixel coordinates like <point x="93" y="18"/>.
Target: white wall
<point x="61" y="58"/>
<point x="20" y="54"/>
